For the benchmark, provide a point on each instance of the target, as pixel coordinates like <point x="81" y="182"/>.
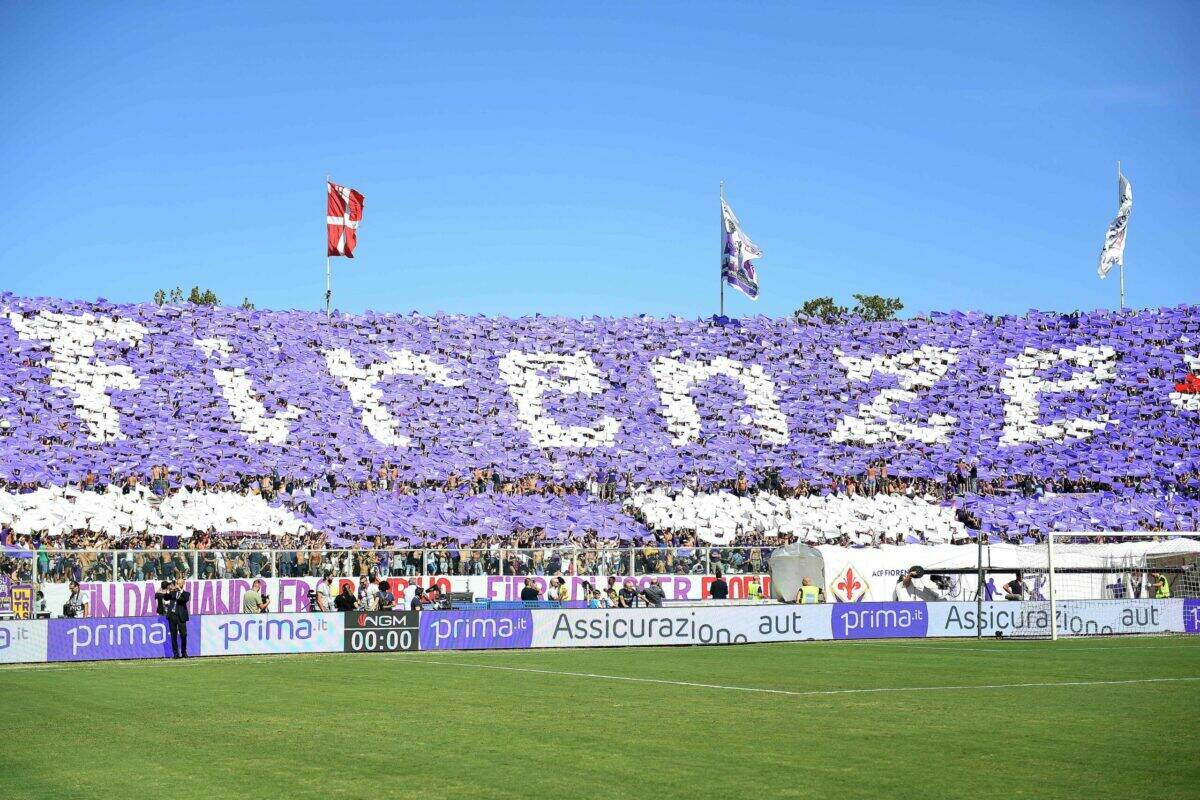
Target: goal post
<point x="1077" y="583"/>
<point x="1092" y="572"/>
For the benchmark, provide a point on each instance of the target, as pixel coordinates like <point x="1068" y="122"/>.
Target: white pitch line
<point x="1016" y="647"/>
<point x="808" y="693"/>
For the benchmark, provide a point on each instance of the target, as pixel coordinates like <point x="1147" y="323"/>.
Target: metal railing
<point x="51" y="565"/>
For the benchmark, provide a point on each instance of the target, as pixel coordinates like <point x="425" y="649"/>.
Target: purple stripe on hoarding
<point x="880" y="620"/>
<point x="476" y="630"/>
<point x="1191" y="615"/>
<point x="115" y="637"/>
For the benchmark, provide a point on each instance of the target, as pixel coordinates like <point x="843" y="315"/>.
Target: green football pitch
<point x="920" y="719"/>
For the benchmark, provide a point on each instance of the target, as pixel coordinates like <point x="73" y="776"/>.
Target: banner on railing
<point x="290" y="595"/>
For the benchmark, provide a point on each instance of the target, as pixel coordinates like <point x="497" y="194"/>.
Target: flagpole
<point x="721" y="270"/>
<point x="328" y="269"/>
<point x="1127" y="229"/>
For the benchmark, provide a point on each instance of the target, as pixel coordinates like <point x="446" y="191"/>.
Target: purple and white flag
<point x="736" y="268"/>
<point x="1113" y="253"/>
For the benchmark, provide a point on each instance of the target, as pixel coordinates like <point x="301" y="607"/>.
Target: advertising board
<point x="1191" y="616"/>
<point x="381" y="631"/>
<point x="22" y="641"/>
<point x="879" y="620"/>
<point x="476" y="630"/>
<point x="112" y="638"/>
<point x="686" y="625"/>
<point x="1075" y="618"/>
<point x="244" y="634"/>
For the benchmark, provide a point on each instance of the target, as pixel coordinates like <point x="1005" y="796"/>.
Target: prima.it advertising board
<point x="476" y="630"/>
<point x="879" y="620"/>
<point x="1075" y="618"/>
<point x="23" y="641"/>
<point x="382" y="631"/>
<point x="1191" y="616"/>
<point x="244" y="634"/>
<point x="685" y="625"/>
<point x="115" y="637"/>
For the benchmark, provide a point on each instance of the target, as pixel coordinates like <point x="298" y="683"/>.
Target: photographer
<point x="530" y="592"/>
<point x="913" y="588"/>
<point x="76" y="606"/>
<point x="628" y="596"/>
<point x="345" y="601"/>
<point x="160" y="598"/>
<point x="387" y="600"/>
<point x="324" y="594"/>
<point x="253" y="601"/>
<point x="654" y="594"/>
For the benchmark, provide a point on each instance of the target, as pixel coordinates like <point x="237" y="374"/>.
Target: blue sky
<point x="565" y="158"/>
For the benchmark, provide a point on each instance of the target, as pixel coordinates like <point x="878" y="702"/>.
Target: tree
<point x="246" y="304"/>
<point x="203" y="298"/>
<point x="176" y="296"/>
<point x="160" y="297"/>
<point x="873" y="308"/>
<point x="822" y="308"/>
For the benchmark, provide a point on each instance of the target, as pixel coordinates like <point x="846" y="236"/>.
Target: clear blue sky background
<point x="565" y="158"/>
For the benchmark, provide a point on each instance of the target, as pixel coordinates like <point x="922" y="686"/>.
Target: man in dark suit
<point x="177" y="618"/>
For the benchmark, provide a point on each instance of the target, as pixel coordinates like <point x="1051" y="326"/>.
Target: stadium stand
<point x="148" y="425"/>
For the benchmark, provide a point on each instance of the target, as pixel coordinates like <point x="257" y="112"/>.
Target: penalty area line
<point x="804" y="693"/>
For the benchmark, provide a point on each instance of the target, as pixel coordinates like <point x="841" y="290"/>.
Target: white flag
<point x="736" y="267"/>
<point x="1113" y="253"/>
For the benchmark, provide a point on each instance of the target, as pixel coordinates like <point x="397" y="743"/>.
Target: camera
<point x="68" y="610"/>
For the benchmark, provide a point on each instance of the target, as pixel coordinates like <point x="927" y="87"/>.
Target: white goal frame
<point x="1051" y="566"/>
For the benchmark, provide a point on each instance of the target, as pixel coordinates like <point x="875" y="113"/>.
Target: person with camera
<point x="387" y="600"/>
<point x="654" y="594"/>
<point x="76" y="606"/>
<point x="345" y="600"/>
<point x="913" y="588"/>
<point x="324" y="595"/>
<point x="253" y="599"/>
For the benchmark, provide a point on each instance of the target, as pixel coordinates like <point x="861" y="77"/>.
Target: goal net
<point x="1096" y="584"/>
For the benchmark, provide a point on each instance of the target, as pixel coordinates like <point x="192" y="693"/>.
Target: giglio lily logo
<point x="847" y="588"/>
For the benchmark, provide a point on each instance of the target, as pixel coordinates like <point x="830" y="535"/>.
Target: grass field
<point x="921" y="719"/>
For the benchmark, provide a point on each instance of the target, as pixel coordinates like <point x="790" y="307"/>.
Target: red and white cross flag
<point x="344" y="211"/>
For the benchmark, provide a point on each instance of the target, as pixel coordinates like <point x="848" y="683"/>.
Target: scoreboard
<point x="382" y="631"/>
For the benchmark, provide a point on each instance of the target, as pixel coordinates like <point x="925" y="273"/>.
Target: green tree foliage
<point x="160" y="297"/>
<point x="873" y="308"/>
<point x="203" y="298"/>
<point x="822" y="308"/>
<point x="246" y="304"/>
<point x="868" y="307"/>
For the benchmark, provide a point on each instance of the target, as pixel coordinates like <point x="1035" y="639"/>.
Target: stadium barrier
<point x="57" y="640"/>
